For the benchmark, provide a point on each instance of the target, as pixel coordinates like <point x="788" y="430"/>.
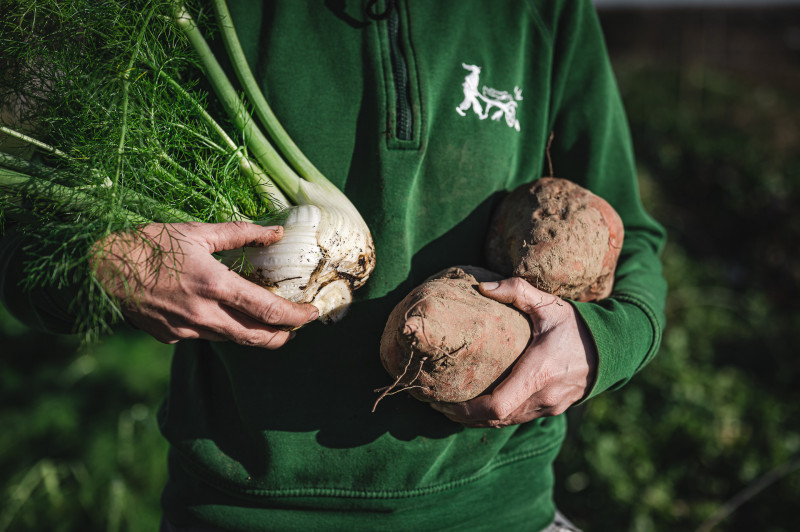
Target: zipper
<point x="404" y="117"/>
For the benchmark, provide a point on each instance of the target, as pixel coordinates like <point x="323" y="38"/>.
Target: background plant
<point x="707" y="435"/>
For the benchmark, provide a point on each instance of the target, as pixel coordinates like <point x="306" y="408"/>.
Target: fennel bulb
<point x="326" y="252"/>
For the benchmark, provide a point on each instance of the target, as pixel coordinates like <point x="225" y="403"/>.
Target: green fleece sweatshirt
<point x="425" y="114"/>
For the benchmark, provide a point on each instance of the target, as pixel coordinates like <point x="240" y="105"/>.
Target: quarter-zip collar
<point x="404" y="124"/>
<point x="401" y="77"/>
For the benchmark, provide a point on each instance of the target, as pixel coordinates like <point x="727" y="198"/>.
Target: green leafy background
<point x="705" y="438"/>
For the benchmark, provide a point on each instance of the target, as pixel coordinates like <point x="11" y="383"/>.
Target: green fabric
<point x="593" y="147"/>
<point x="264" y="440"/>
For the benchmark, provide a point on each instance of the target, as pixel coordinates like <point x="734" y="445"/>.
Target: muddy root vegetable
<point x="447" y="342"/>
<point x="558" y="236"/>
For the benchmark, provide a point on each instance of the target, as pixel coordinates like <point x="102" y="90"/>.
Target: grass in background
<point x="79" y="445"/>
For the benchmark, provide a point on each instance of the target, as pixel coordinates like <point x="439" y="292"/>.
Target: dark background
<point x="706" y="437"/>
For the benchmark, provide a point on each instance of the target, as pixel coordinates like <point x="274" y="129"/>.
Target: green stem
<point x="197" y="134"/>
<point x="25" y="166"/>
<point x="257" y="176"/>
<point x="207" y="118"/>
<point x="34" y="142"/>
<point x="231" y="211"/>
<point x="138" y="209"/>
<point x="256" y="141"/>
<point x="63" y="198"/>
<point x="275" y="130"/>
<point x="13" y="167"/>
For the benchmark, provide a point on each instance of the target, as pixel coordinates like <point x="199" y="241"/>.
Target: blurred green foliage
<point x="707" y="434"/>
<point x="79" y="445"/>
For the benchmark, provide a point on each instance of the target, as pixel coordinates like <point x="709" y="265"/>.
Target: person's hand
<point x="170" y="286"/>
<point x="554" y="372"/>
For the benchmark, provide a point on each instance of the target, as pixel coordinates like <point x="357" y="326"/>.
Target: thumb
<point x="518" y="292"/>
<point x="232" y="235"/>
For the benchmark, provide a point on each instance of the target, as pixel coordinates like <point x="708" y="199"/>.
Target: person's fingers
<point x="481" y="413"/>
<point x="239" y="293"/>
<point x="215" y="302"/>
<point x="212" y="322"/>
<point x="524" y="392"/>
<point x="518" y="292"/>
<point x="490" y="407"/>
<point x="232" y="235"/>
<point x="236" y="292"/>
<point x="233" y="326"/>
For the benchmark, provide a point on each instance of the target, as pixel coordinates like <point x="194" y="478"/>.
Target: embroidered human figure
<point x="504" y="102"/>
<point x="471" y="93"/>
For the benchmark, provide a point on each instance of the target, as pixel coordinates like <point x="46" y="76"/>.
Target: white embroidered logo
<point x="505" y="103"/>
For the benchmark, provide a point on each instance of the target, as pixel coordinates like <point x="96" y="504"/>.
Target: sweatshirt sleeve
<point x="40" y="307"/>
<point x="592" y="145"/>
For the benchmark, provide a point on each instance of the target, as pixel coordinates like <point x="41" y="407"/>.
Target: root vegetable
<point x="559" y="237"/>
<point x="447" y="342"/>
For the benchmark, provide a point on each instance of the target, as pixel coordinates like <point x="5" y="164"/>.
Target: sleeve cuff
<point x="626" y="333"/>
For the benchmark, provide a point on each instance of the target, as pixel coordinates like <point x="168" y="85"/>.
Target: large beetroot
<point x="559" y="237"/>
<point x="447" y="342"/>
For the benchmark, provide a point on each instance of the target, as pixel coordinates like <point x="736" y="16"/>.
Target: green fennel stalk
<point x="110" y="95"/>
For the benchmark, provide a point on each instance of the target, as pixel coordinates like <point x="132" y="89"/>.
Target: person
<point x="283" y="438"/>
